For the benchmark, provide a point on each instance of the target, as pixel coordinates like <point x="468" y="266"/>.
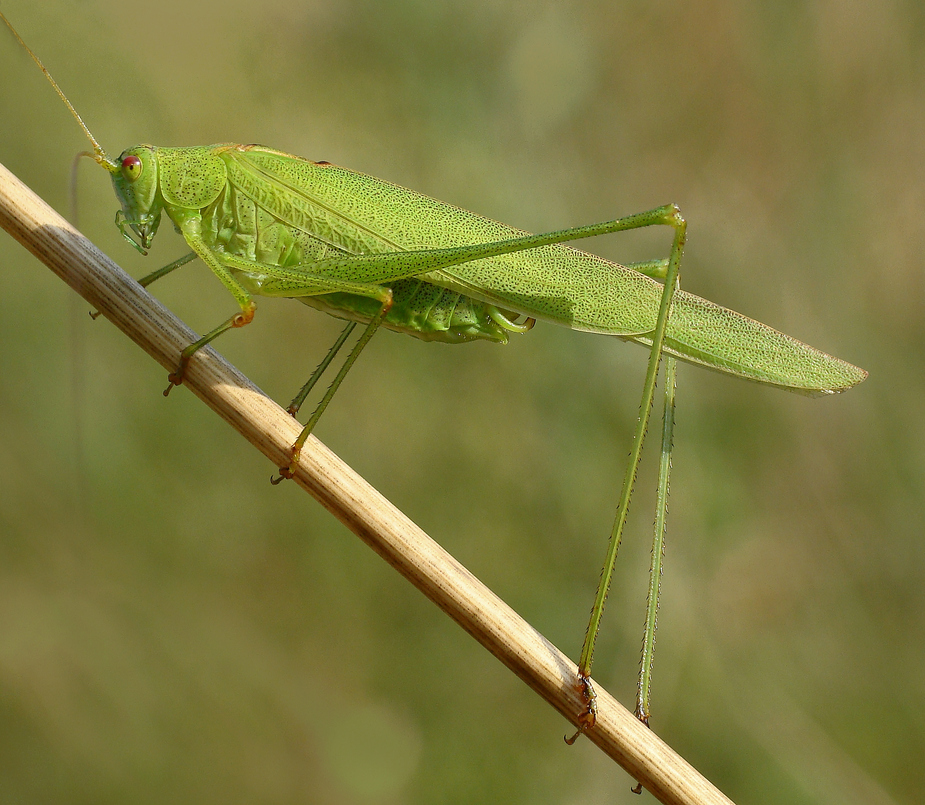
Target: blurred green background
<point x="173" y="628"/>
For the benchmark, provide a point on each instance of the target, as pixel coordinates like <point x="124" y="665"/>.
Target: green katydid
<point x="371" y="252"/>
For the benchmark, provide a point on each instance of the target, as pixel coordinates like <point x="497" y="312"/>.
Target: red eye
<point x="131" y="168"/>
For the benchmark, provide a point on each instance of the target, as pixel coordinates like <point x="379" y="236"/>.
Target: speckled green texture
<point x="283" y="211"/>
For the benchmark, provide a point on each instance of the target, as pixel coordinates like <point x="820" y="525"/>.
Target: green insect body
<point x="241" y="217"/>
<point x="252" y="210"/>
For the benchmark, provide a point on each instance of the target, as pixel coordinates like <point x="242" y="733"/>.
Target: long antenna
<point x="98" y="153"/>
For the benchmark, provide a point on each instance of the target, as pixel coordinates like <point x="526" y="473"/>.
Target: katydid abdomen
<point x="420" y="309"/>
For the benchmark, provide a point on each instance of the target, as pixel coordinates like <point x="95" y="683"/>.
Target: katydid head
<point x="134" y="175"/>
<point x="135" y="183"/>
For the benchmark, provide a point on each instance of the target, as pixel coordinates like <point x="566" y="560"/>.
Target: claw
<point x="175" y="379"/>
<point x="285" y="473"/>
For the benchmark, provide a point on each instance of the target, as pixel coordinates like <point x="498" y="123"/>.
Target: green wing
<point x="360" y="214"/>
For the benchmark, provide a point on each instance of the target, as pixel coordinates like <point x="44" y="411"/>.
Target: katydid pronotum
<point x="370" y="252"/>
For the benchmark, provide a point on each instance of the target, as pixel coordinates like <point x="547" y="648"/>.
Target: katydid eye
<point x="131" y="168"/>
